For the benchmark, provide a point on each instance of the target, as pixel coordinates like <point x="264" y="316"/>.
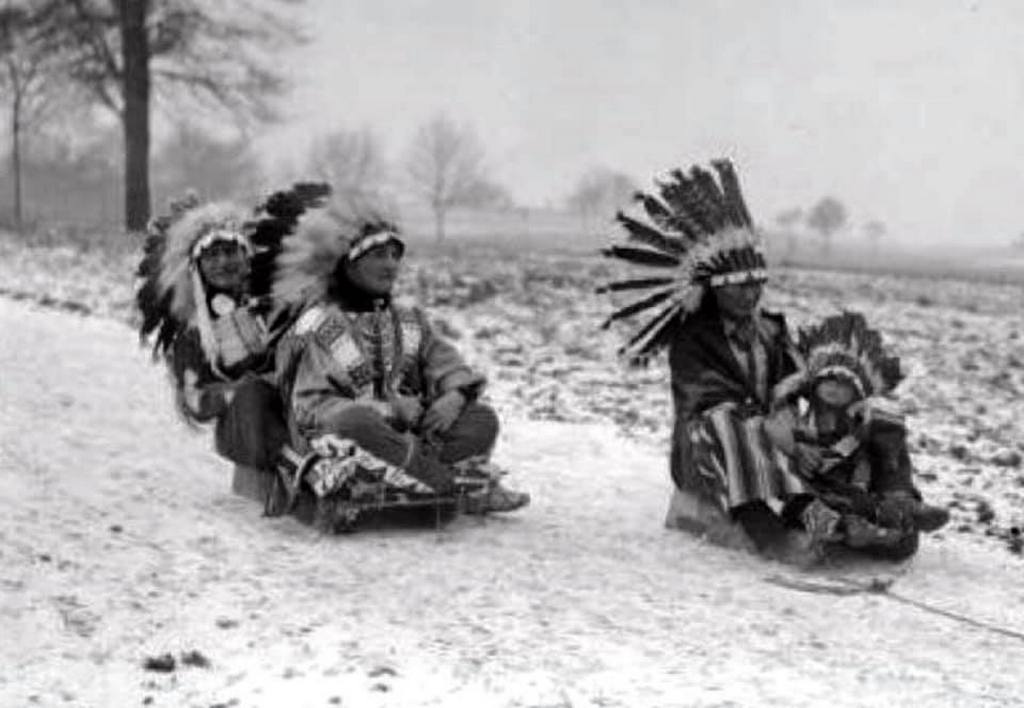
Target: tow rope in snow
<point x="882" y="587"/>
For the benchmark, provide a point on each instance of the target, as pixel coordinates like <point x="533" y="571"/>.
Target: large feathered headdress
<point x="170" y="283"/>
<point x="693" y="234"/>
<point x="277" y="219"/>
<point x="845" y="348"/>
<point x="344" y="228"/>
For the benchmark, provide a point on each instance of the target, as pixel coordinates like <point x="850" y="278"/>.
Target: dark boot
<point x="496" y="498"/>
<point x="901" y="509"/>
<point x="861" y="533"/>
<point x="425" y="467"/>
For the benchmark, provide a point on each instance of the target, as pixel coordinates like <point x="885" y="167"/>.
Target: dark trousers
<point x="473" y="433"/>
<point x="252" y="430"/>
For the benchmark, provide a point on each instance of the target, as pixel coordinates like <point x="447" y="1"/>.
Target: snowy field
<point x="119" y="539"/>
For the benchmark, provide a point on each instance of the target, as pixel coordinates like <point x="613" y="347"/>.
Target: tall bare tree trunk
<point x="19" y="222"/>
<point x="135" y="116"/>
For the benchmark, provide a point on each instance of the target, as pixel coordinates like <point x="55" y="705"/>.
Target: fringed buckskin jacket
<point x="363" y="351"/>
<point x="705" y="373"/>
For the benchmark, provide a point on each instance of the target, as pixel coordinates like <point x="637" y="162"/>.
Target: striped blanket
<point x="736" y="464"/>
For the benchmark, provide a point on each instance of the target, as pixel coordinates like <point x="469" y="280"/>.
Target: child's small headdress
<point x="693" y="234"/>
<point x="844" y="347"/>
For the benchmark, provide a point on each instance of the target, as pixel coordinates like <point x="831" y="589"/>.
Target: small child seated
<point x="848" y="443"/>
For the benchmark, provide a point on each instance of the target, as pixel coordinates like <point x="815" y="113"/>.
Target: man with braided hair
<point x="372" y="375"/>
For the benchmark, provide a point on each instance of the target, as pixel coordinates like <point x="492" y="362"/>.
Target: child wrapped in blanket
<point x="849" y="443"/>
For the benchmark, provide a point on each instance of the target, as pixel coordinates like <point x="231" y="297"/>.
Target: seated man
<point x="744" y="473"/>
<point x="204" y="292"/>
<point x="370" y="374"/>
<point x="853" y="444"/>
<point x="704" y="269"/>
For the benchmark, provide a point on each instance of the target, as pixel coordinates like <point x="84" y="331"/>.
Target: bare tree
<point x="874" y="231"/>
<point x="598" y="193"/>
<point x="26" y="72"/>
<point x="826" y="217"/>
<point x="445" y="166"/>
<point x="210" y="53"/>
<point x="350" y="160"/>
<point x="787" y="221"/>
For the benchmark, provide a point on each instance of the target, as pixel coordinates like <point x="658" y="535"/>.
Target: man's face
<point x="738" y="301"/>
<point x="376" y="270"/>
<point x="224" y="265"/>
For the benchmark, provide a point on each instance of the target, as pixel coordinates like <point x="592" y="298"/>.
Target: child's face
<point x="834" y="393"/>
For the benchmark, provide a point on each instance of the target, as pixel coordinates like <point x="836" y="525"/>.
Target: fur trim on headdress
<point x="322" y="238"/>
<point x="844" y="347"/>
<point x="694" y="234"/>
<point x="200" y="226"/>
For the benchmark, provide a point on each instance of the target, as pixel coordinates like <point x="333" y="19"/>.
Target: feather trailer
<point x="641" y="256"/>
<point x="638" y="306"/>
<point x="635" y="284"/>
<point x="649" y="236"/>
<point x="276" y="219"/>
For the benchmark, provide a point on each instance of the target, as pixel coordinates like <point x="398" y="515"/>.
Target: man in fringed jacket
<point x="362" y="368"/>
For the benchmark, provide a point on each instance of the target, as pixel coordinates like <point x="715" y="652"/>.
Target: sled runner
<point x="337" y="487"/>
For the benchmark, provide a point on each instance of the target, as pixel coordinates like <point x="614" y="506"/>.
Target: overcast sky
<point x="908" y="111"/>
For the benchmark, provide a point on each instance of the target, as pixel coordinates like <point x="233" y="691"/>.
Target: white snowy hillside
<point x="122" y="549"/>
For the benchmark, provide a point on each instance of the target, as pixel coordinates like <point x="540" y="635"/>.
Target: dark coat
<point x="705" y="373"/>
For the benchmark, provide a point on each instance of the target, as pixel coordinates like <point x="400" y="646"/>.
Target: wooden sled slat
<point x="255" y="484"/>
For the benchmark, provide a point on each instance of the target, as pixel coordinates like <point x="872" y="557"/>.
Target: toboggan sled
<point x="337" y="488"/>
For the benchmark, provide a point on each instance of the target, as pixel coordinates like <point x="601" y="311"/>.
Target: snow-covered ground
<point x="119" y="541"/>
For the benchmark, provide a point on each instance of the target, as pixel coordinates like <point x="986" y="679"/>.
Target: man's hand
<point x="443" y="413"/>
<point x="406" y="410"/>
<point x="779" y="428"/>
<point x="808" y="459"/>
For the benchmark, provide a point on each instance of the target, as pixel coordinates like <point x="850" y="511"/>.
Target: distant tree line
<point x="825" y="218"/>
<point x="64" y="64"/>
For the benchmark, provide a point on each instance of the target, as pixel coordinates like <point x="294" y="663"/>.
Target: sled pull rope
<point x="957" y="617"/>
<point x="881" y="587"/>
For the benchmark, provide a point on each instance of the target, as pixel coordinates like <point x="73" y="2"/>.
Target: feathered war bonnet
<point x="694" y="233"/>
<point x="843" y="347"/>
<point x="172" y="285"/>
<point x="324" y="237"/>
